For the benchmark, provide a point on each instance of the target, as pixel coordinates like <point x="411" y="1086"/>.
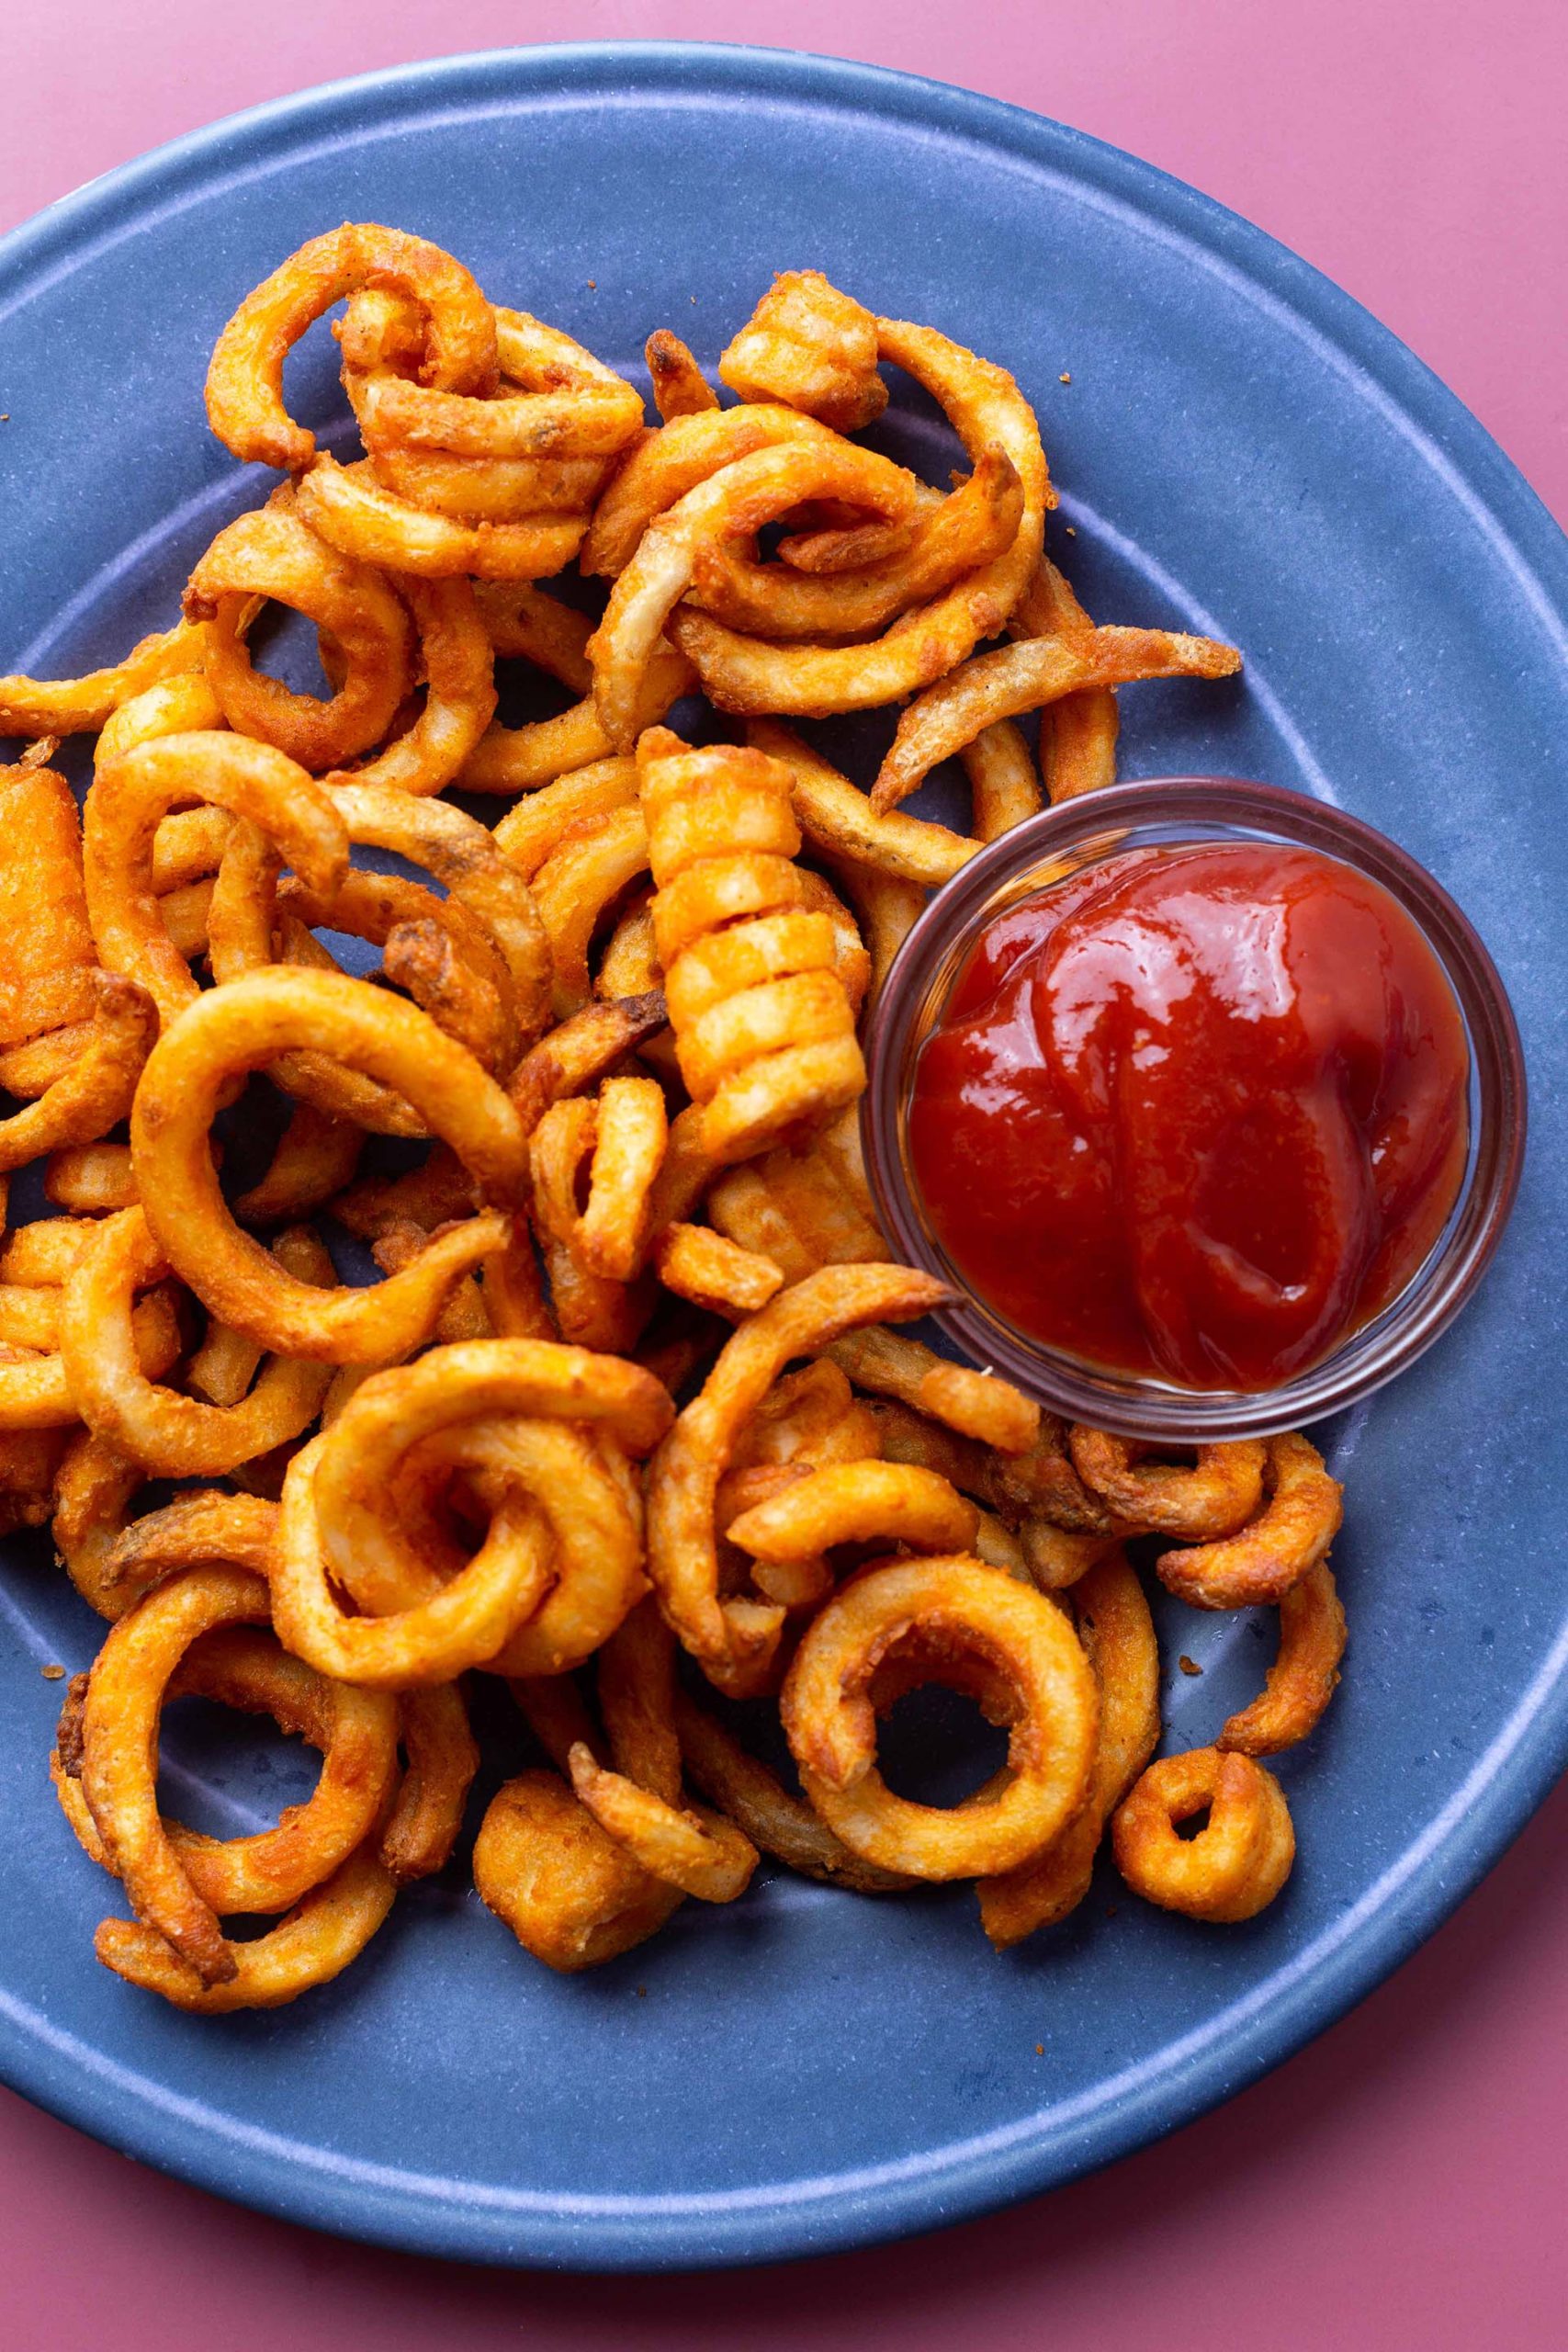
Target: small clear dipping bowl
<point x="1174" y="812"/>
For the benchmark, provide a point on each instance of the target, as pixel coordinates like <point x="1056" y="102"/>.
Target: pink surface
<point x="1399" y="2186"/>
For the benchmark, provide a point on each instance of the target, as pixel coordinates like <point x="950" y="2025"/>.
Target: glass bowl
<point x="1173" y="811"/>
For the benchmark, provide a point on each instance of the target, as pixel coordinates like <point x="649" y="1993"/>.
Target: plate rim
<point x="1508" y="1782"/>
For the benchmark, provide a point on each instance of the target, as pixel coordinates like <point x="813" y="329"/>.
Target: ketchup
<point x="1195" y="1114"/>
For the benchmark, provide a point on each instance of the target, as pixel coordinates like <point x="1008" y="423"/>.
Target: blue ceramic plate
<point x="1241" y="451"/>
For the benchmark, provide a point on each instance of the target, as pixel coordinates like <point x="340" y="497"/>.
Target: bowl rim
<point x="1172" y="811"/>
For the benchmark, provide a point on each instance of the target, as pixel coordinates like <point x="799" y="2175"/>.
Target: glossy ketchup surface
<point x="1196" y="1113"/>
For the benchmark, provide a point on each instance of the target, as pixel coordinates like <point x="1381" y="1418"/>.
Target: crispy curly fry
<point x="130" y="797"/>
<point x="858" y="1502"/>
<point x="976" y="1405"/>
<point x="46" y="943"/>
<point x="313" y="1943"/>
<point x="580" y="1052"/>
<point x="1215" y="1497"/>
<point x="443" y="1758"/>
<point x="462" y="1623"/>
<point x="1304" y="1677"/>
<point x="702" y="1266"/>
<point x="90" y="1178"/>
<point x="639" y="1802"/>
<point x="40" y="706"/>
<point x="1020" y="1638"/>
<point x="119" y="1731"/>
<point x="316" y="1157"/>
<point x="1003" y="786"/>
<point x="737" y="501"/>
<point x="985" y="408"/>
<point x="1300" y="1517"/>
<point x="244" y="382"/>
<point x="949" y="539"/>
<point x="272" y="554"/>
<point x="1026" y="676"/>
<point x="93" y="1490"/>
<point x="704" y="1856"/>
<point x="835" y="815"/>
<point x="763" y="1809"/>
<point x="167" y="1432"/>
<point x="809" y="346"/>
<point x="35" y="1393"/>
<point x="336" y="1516"/>
<point x="185" y="705"/>
<point x="203" y="1528"/>
<point x="356" y="1732"/>
<point x="97" y="1092"/>
<point x="1239" y="1859"/>
<point x="460" y="691"/>
<point x="763" y="1026"/>
<point x="524" y="623"/>
<point x="621" y="1138"/>
<point x="664" y="466"/>
<point x="588" y="412"/>
<point x="1078" y="734"/>
<point x="734" y="1637"/>
<point x="247" y="1025"/>
<point x="348" y="507"/>
<point x="575" y="886"/>
<point x="519" y="759"/>
<point x="1118" y="1635"/>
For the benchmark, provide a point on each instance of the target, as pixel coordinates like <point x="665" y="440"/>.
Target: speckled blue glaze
<point x="1240" y="449"/>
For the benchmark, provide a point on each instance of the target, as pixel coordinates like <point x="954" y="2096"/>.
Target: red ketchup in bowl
<point x="1195" y="1114"/>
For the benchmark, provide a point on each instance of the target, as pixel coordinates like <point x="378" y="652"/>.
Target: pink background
<point x="1400" y="2185"/>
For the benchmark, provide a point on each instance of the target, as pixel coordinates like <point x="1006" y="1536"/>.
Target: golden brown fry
<point x="97" y="1092"/>
<point x="443" y="1757"/>
<point x="702" y="1266"/>
<point x="46" y="946"/>
<point x="622" y="1138"/>
<point x="679" y="387"/>
<point x="739" y="500"/>
<point x="316" y="1157"/>
<point x="356" y="513"/>
<point x="247" y="1025"/>
<point x="1118" y="1635"/>
<point x="950" y="538"/>
<point x="1299" y="1518"/>
<point x="762" y="1025"/>
<point x="79" y="706"/>
<point x="244" y="382"/>
<point x="763" y="1808"/>
<point x="272" y="553"/>
<point x="1216" y="1496"/>
<point x="1021" y="1638"/>
<point x="570" y="1894"/>
<point x="835" y="815"/>
<point x="313" y="1943"/>
<point x="735" y="1637"/>
<point x="1304" y="1675"/>
<point x="809" y="346"/>
<point x="1239" y="1859"/>
<point x="130" y="797"/>
<point x="1026" y="676"/>
<point x="524" y="623"/>
<point x="119" y="1732"/>
<point x="175" y="1435"/>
